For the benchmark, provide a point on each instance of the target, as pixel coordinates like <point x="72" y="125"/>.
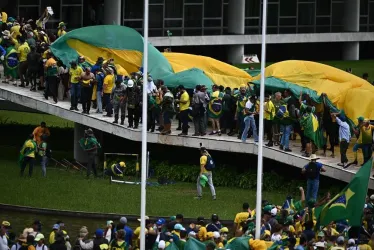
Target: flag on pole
<point x="349" y="203"/>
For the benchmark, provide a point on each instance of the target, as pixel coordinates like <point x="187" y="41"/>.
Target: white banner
<point x="250" y="59"/>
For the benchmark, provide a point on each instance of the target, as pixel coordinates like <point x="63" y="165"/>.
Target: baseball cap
<point x="179" y="227"/>
<point x="224" y="230"/>
<point x="321" y="234"/>
<point x="191" y="234"/>
<point x="372" y="197"/>
<point x="340" y="240"/>
<point x="173" y="218"/>
<point x="39" y="236"/>
<point x="6" y="224"/>
<point x="123" y="220"/>
<point x="56" y="226"/>
<point x="99" y="232"/>
<point x="160" y="221"/>
<point x="267" y="209"/>
<point x="109" y="222"/>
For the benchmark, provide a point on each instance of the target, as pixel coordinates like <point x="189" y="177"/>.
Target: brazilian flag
<point x="193" y="244"/>
<point x="349" y="203"/>
<point x="312" y="130"/>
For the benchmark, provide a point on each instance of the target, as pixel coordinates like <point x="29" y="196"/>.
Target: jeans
<point x="312" y="189"/>
<point x="30" y="161"/>
<point x="99" y="102"/>
<point x="44" y="163"/>
<point x="343" y="151"/>
<point x="22" y="71"/>
<point x="210" y="183"/>
<point x="249" y="122"/>
<point x="107" y="104"/>
<point x="183" y="115"/>
<point x="285" y="140"/>
<point x="75" y="93"/>
<point x="91" y="165"/>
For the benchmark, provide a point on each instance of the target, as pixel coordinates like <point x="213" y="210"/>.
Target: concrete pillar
<point x="351" y="22"/>
<point x="236" y="26"/>
<point x="112" y="12"/>
<point x="79" y="154"/>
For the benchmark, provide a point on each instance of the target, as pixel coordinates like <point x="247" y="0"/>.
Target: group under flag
<point x="349" y="203"/>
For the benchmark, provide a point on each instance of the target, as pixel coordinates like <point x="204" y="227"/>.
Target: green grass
<point x="71" y="191"/>
<point x="7" y="117"/>
<point x="358" y="67"/>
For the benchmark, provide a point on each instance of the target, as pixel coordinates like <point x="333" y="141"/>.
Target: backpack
<point x="312" y="171"/>
<point x="209" y="163"/>
<point x="282" y="112"/>
<point x="217" y="105"/>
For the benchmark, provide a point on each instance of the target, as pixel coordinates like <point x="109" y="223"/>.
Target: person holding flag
<point x="27" y="155"/>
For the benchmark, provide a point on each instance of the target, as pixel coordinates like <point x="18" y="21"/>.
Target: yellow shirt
<point x="269" y="110"/>
<point x="61" y="33"/>
<point x="240" y="217"/>
<point x="15" y="31"/>
<point x="75" y="74"/>
<point x="108" y="84"/>
<point x="365" y="135"/>
<point x="184" y="98"/>
<point x="4" y="17"/>
<point x="364" y="247"/>
<point x="137" y="236"/>
<point x="203" y="160"/>
<point x="298" y="227"/>
<point x="29" y="144"/>
<point x="23" y="51"/>
<point x="292" y="229"/>
<point x="333" y="231"/>
<point x="220" y="245"/>
<point x="202" y="234"/>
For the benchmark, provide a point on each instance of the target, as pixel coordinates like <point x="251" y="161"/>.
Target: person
<point x="365" y="139"/>
<point x="129" y="232"/>
<point x="344" y="138"/>
<point x="198" y="111"/>
<point x="117" y="169"/>
<point x="241" y="100"/>
<point x="90" y="145"/>
<point x="40" y="245"/>
<point x="133" y="102"/>
<point x="75" y="73"/>
<point x="215" y="225"/>
<point x="241" y="217"/>
<point x="59" y="243"/>
<point x="61" y="29"/>
<point x="33" y="61"/>
<point x="39" y="131"/>
<point x="227" y="112"/>
<point x="339" y="244"/>
<point x="168" y="110"/>
<point x="100" y="243"/>
<point x="27" y="155"/>
<point x="269" y="114"/>
<point x="51" y="77"/>
<point x="356" y="131"/>
<point x="109" y="232"/>
<point x="108" y="85"/>
<point x="119" y="243"/>
<point x="22" y="51"/>
<point x="117" y="99"/>
<point x="87" y="80"/>
<point x="44" y="153"/>
<point x="312" y="171"/>
<point x="99" y="90"/>
<point x="11" y="59"/>
<point x="215" y="110"/>
<point x="17" y="246"/>
<point x="249" y="121"/>
<point x="206" y="166"/>
<point x="184" y="104"/>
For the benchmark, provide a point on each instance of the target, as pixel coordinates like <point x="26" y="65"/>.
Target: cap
<point x="99" y="232"/>
<point x="146" y="218"/>
<point x="123" y="220"/>
<point x="56" y="226"/>
<point x="351" y="242"/>
<point x="361" y="119"/>
<point x="130" y="83"/>
<point x="267" y="209"/>
<point x="173" y="218"/>
<point x="214" y="217"/>
<point x="191" y="234"/>
<point x="320" y="244"/>
<point x="161" y="244"/>
<point x="267" y="233"/>
<point x="39" y="236"/>
<point x="179" y="227"/>
<point x="372" y="197"/>
<point x="224" y="230"/>
<point x="216" y="235"/>
<point x="160" y="221"/>
<point x="274" y="211"/>
<point x="340" y="240"/>
<point x="109" y="222"/>
<point x="6" y="224"/>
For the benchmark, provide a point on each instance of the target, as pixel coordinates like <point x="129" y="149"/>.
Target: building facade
<point x="231" y="25"/>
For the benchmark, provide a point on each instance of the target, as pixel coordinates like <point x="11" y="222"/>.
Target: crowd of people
<point x="289" y="226"/>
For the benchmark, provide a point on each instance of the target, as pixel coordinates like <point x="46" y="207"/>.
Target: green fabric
<point x="241" y="243"/>
<point x="26" y="151"/>
<point x="349" y="203"/>
<point x="193" y="244"/>
<point x="188" y="78"/>
<point x="89" y="143"/>
<point x="253" y="72"/>
<point x="279" y="244"/>
<point x="306" y="121"/>
<point x="172" y="246"/>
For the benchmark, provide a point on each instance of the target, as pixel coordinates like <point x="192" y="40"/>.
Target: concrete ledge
<point x="35" y="101"/>
<point x="256" y="39"/>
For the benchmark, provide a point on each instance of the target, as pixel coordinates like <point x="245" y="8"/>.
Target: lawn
<point x="71" y="191"/>
<point x="7" y="117"/>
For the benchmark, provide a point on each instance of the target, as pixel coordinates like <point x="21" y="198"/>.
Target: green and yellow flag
<point x="349" y="203"/>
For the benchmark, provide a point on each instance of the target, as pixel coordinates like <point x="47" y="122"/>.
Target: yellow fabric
<point x="4" y="17"/>
<point x="220" y="245"/>
<point x="268" y="244"/>
<point x="298" y="227"/>
<point x="61" y="32"/>
<point x="202" y="234"/>
<point x="219" y="72"/>
<point x="23" y="51"/>
<point x="365" y="134"/>
<point x="333" y="231"/>
<point x="75" y="74"/>
<point x="108" y="84"/>
<point x="29" y="144"/>
<point x="269" y="111"/>
<point x="14" y="31"/>
<point x="240" y="217"/>
<point x="364" y="247"/>
<point x="345" y="91"/>
<point x="257" y="244"/>
<point x="184" y="98"/>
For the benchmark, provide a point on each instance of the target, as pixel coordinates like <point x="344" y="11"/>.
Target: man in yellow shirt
<point x="61" y="29"/>
<point x="107" y="91"/>
<point x="75" y="73"/>
<point x="184" y="105"/>
<point x="22" y="51"/>
<point x="50" y="68"/>
<point x="206" y="167"/>
<point x="241" y="217"/>
<point x="269" y="114"/>
<point x="27" y="155"/>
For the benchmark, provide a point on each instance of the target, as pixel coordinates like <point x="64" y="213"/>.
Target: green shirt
<point x="43" y="148"/>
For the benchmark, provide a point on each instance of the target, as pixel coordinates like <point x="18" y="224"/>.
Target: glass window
<point x="133" y="24"/>
<point x="337" y="28"/>
<point x="212" y="32"/>
<point x="364" y="7"/>
<point x="288" y="8"/>
<point x="323" y="29"/>
<point x="175" y="32"/>
<point x="173" y="9"/>
<point x="193" y="16"/>
<point x="309" y="29"/>
<point x="252" y="22"/>
<point x="371" y="13"/>
<point x="337" y="13"/>
<point x="29" y="12"/>
<point x="212" y="8"/>
<point x="156" y="1"/>
<point x="252" y="30"/>
<point x="287" y="30"/>
<point x="363" y="28"/>
<point x="363" y="20"/>
<point x="273" y="14"/>
<point x="156" y="16"/>
<point x="193" y="32"/>
<point x="306" y="14"/>
<point x="155" y="32"/>
<point x="173" y="23"/>
<point x="28" y="2"/>
<point x="323" y="7"/>
<point x="133" y="10"/>
<point x="323" y="21"/>
<point x="288" y="21"/>
<point x="193" y="1"/>
<point x="212" y="23"/>
<point x="371" y="28"/>
<point x="71" y="2"/>
<point x="252" y="8"/>
<point x="272" y="30"/>
<point x="73" y="16"/>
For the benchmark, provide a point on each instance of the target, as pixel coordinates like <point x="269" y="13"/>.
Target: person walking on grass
<point x="312" y="171"/>
<point x="44" y="154"/>
<point x="90" y="145"/>
<point x="27" y="155"/>
<point x="205" y="176"/>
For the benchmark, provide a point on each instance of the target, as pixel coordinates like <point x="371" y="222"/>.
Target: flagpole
<point x="261" y="123"/>
<point x="144" y="129"/>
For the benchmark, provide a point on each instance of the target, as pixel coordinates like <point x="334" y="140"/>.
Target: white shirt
<point x="40" y="247"/>
<point x="108" y="235"/>
<point x="5" y="239"/>
<point x="15" y="246"/>
<point x="151" y="87"/>
<point x="276" y="237"/>
<point x="249" y="105"/>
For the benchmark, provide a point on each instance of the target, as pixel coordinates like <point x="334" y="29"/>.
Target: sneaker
<point x="130" y="126"/>
<point x="287" y="150"/>
<point x="270" y="144"/>
<point x="219" y="133"/>
<point x="196" y="134"/>
<point x="203" y="134"/>
<point x="231" y="133"/>
<point x="341" y="164"/>
<point x="71" y="108"/>
<point x="198" y="198"/>
<point x="214" y="197"/>
<point x="281" y="147"/>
